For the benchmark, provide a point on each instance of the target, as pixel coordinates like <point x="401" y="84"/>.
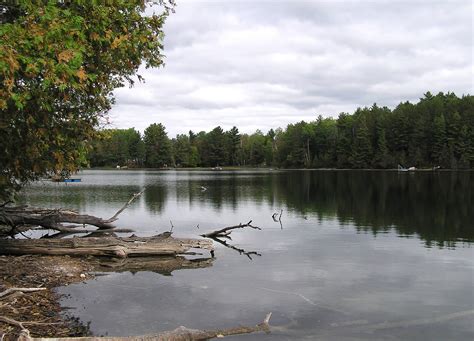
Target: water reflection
<point x="155" y="197"/>
<point x="323" y="275"/>
<point x="436" y="206"/>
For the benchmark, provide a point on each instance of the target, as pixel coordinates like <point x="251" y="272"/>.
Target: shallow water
<point x="358" y="254"/>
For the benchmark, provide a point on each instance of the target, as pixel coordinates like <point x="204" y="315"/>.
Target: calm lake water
<point x="359" y="255"/>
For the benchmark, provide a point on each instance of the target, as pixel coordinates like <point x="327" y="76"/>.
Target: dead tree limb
<point x="218" y="236"/>
<point x="22" y="218"/>
<point x="21" y="324"/>
<point x="274" y="217"/>
<point x="179" y="334"/>
<point x="225" y="232"/>
<point x="12" y="290"/>
<point x="128" y="203"/>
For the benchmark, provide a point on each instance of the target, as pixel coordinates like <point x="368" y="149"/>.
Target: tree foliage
<point x="118" y="147"/>
<point x="59" y="63"/>
<point x="157" y="146"/>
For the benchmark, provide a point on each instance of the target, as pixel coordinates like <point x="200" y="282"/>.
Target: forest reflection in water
<point x="437" y="206"/>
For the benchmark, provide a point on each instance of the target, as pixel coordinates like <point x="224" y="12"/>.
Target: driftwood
<point x="19" y="219"/>
<point x="226" y="231"/>
<point x="179" y="334"/>
<point x="23" y="290"/>
<point x="160" y="245"/>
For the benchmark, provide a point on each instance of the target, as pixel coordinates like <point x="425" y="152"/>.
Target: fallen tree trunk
<point x="160" y="245"/>
<point x="19" y="219"/>
<point x="179" y="334"/>
<point x="47" y="218"/>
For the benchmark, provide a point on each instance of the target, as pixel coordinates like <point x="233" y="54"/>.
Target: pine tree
<point x="362" y="151"/>
<point x="381" y="157"/>
<point x="439" y="148"/>
<point x="157" y="146"/>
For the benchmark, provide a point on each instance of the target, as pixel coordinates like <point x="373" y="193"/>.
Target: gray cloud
<point x="262" y="64"/>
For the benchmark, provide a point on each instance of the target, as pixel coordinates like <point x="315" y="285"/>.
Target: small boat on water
<point x="411" y="169"/>
<point x="72" y="180"/>
<point x="402" y="169"/>
<point x="57" y="178"/>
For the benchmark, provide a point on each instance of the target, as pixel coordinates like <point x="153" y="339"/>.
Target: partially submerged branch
<point x="128" y="203"/>
<point x="274" y="217"/>
<point x="226" y="231"/>
<point x="22" y="218"/>
<point x="179" y="334"/>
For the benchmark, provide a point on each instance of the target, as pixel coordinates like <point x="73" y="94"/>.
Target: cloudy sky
<point x="261" y="64"/>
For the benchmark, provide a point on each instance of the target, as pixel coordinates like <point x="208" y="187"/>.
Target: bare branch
<point x="181" y="333"/>
<point x="225" y="232"/>
<point x="12" y="290"/>
<point x="128" y="203"/>
<point x="21" y="324"/>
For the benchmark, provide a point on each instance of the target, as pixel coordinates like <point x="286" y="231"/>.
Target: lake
<point x="358" y="255"/>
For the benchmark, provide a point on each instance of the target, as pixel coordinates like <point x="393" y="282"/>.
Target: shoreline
<point x="48" y="272"/>
<point x="235" y="168"/>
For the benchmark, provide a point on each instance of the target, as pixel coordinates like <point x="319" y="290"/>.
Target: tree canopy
<point x="59" y="63"/>
<point x="436" y="131"/>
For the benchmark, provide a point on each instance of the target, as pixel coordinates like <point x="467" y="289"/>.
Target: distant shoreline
<point x="235" y="168"/>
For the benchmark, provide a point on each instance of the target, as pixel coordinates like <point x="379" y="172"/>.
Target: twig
<point x="128" y="203"/>
<point x="274" y="215"/>
<point x="12" y="290"/>
<point x="13" y="322"/>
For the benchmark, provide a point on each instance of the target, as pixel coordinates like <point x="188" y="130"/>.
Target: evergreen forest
<point x="438" y="130"/>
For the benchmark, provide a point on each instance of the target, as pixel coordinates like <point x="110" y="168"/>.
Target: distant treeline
<point x="436" y="131"/>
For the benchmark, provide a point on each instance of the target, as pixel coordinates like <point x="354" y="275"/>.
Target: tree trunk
<point x="160" y="245"/>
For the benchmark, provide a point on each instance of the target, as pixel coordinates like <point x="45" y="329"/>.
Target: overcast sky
<point x="261" y="64"/>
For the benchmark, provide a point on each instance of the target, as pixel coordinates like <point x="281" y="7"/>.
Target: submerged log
<point x="160" y="245"/>
<point x="179" y="334"/>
